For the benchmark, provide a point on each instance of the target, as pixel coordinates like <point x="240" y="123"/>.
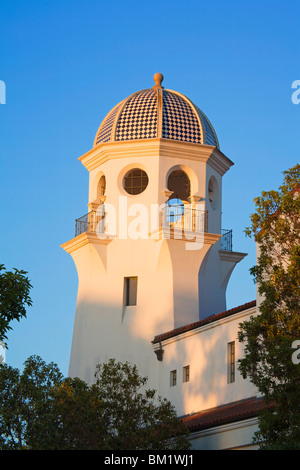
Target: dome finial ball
<point x="158" y="78"/>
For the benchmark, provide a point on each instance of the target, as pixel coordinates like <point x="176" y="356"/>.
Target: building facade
<point x="153" y="264"/>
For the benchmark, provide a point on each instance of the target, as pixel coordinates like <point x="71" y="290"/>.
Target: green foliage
<point x="26" y="403"/>
<point x="135" y="417"/>
<point x="268" y="336"/>
<point x="14" y="297"/>
<point x="77" y="422"/>
<point x="41" y="410"/>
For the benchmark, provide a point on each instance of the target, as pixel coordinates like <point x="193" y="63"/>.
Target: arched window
<point x="179" y="183"/>
<point x="213" y="192"/>
<point x="101" y="188"/>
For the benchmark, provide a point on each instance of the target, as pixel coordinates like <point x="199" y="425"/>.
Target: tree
<point x="26" y="403"/>
<point x="14" y="297"/>
<point x="39" y="409"/>
<point x="77" y="421"/>
<point x="136" y="418"/>
<point x="269" y="336"/>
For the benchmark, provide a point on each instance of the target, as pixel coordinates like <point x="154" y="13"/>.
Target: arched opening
<point x="213" y="192"/>
<point x="179" y="184"/>
<point x="101" y="188"/>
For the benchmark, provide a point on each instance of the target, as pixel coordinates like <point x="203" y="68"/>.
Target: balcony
<point x="226" y="240"/>
<point x="180" y="218"/>
<point x="184" y="218"/>
<point x="87" y="223"/>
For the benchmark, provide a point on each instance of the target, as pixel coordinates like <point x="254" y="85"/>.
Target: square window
<point x="172" y="378"/>
<point x="130" y="287"/>
<point x="186" y="374"/>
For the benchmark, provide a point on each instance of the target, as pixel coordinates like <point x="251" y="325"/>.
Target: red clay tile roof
<point x="225" y="414"/>
<point x="212" y="318"/>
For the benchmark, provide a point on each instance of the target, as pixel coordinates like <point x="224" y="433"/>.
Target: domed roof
<point x="156" y="112"/>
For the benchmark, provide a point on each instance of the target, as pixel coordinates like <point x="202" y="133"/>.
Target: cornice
<point x="233" y="426"/>
<point x="203" y="326"/>
<point x="186" y="236"/>
<point x="231" y="256"/>
<point x="156" y="147"/>
<point x="82" y="240"/>
<point x="219" y="162"/>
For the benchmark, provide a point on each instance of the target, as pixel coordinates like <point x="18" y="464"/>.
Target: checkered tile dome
<point x="156" y="113"/>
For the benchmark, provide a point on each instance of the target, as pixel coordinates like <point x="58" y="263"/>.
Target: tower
<point x="150" y="253"/>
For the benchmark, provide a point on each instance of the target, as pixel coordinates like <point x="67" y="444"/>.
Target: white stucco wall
<point x="176" y="286"/>
<point x="204" y="349"/>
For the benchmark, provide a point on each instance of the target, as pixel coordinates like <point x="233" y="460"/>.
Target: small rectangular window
<point x="186" y="374"/>
<point x="172" y="378"/>
<point x="231" y="362"/>
<point x="130" y="287"/>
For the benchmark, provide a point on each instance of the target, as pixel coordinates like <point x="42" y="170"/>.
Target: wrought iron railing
<point x="226" y="240"/>
<point x="87" y="223"/>
<point x="184" y="218"/>
<point x="174" y="217"/>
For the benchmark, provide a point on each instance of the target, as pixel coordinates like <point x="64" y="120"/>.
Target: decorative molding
<point x="231" y="256"/>
<point x="82" y="240"/>
<point x="235" y="425"/>
<point x="195" y="198"/>
<point x="159" y="352"/>
<point x="167" y="193"/>
<point x="184" y="235"/>
<point x="251" y="311"/>
<point x="96" y="203"/>
<point x="156" y="147"/>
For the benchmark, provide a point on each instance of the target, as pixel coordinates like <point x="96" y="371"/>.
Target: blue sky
<point x="67" y="63"/>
